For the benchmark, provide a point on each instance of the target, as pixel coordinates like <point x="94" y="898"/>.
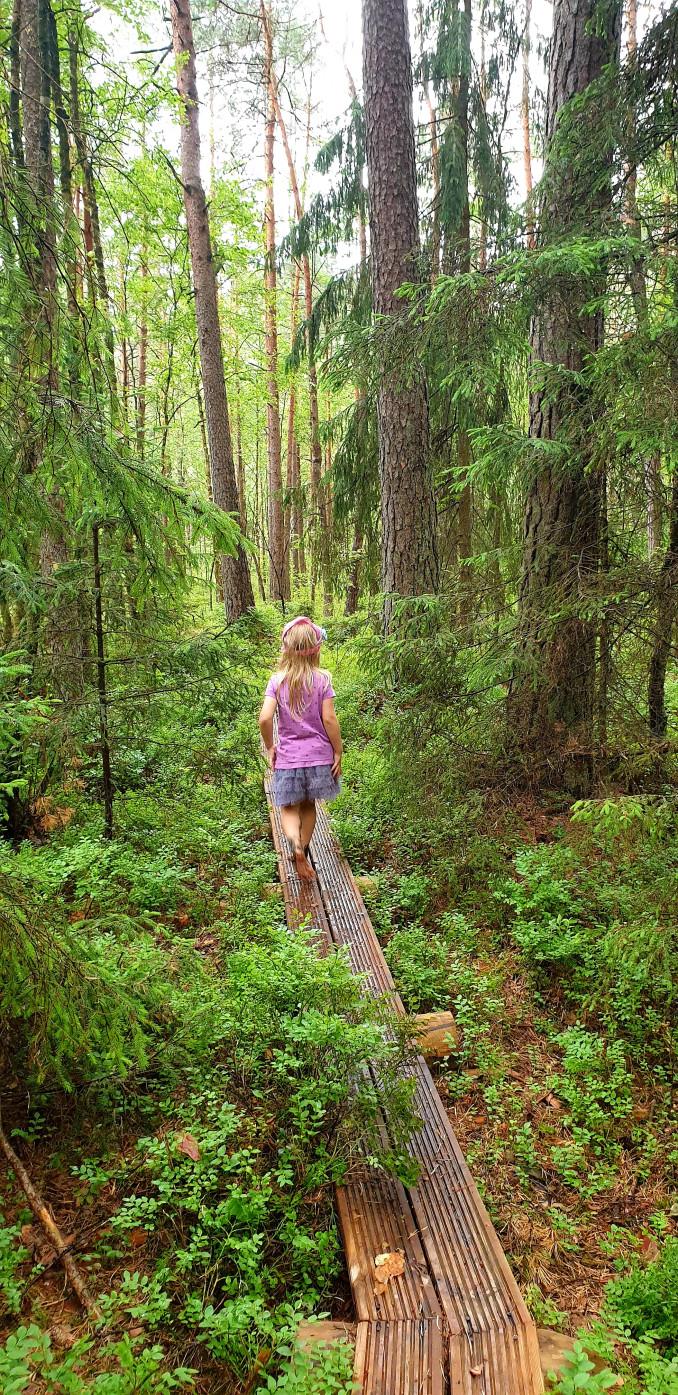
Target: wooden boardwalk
<point x="455" y="1322"/>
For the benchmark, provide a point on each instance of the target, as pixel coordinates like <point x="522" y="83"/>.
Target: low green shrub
<point x="644" y="1302"/>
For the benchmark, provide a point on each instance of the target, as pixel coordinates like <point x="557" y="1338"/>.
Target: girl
<point x="306" y="762"/>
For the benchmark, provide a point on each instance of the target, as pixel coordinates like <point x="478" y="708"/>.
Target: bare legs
<point x="298" y="822"/>
<point x="308" y="817"/>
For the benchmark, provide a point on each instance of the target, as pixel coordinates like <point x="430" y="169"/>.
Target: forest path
<point x="454" y="1323"/>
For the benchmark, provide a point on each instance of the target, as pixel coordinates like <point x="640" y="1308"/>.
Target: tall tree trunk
<point x="463" y="259"/>
<point x="408" y="515"/>
<point x="276" y="538"/>
<point x="525" y="124"/>
<point x="291" y="425"/>
<point x="652" y="464"/>
<point x="319" y="498"/>
<point x="15" y="42"/>
<point x="143" y="356"/>
<point x="92" y="227"/>
<point x="234" y="570"/>
<point x="552" y="687"/>
<point x="484" y="92"/>
<point x="435" y="180"/>
<point x="57" y="640"/>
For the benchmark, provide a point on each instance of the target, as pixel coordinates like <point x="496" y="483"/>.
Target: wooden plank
<point x="400" y="1358"/>
<point x="458" y="1291"/>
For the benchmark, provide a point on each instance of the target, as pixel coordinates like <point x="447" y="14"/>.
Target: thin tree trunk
<point x="408" y="515"/>
<point x="652" y="464"/>
<point x="317" y="492"/>
<point x="525" y="125"/>
<point x="482" y="238"/>
<point x="435" y="178"/>
<point x="604" y="631"/>
<point x="234" y="569"/>
<point x="104" y="743"/>
<point x="143" y="356"/>
<point x="92" y="227"/>
<point x="298" y="517"/>
<point x="291" y="424"/>
<point x="276" y="540"/>
<point x="465" y="509"/>
<point x="240" y="462"/>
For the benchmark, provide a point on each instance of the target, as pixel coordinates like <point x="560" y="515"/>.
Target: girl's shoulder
<point x="325" y="681"/>
<point x="274" y="681"/>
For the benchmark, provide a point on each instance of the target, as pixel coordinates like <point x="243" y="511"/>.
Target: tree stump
<point x="438" y="1034"/>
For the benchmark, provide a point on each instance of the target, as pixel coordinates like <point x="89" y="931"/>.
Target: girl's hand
<point x="336" y="765"/>
<point x="271" y="754"/>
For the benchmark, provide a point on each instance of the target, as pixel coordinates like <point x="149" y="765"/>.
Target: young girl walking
<point x="306" y="761"/>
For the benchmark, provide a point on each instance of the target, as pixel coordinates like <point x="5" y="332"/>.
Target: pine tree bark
<point x="408" y="515"/>
<point x="652" y="480"/>
<point x="551" y="694"/>
<point x="234" y="570"/>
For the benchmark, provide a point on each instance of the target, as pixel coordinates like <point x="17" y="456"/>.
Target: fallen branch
<point x="50" y="1229"/>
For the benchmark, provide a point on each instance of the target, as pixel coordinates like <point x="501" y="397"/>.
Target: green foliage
<point x="580" y="1374"/>
<point x="321" y="1370"/>
<point x="597" y="911"/>
<point x="132" y="1368"/>
<point x="418" y="961"/>
<point x="644" y="1302"/>
<point x="12" y="1256"/>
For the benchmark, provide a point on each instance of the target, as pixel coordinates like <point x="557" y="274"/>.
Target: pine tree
<point x="408" y="515"/>
<point x="552" y="687"/>
<point x="237" y="586"/>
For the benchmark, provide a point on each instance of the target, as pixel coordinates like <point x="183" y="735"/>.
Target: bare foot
<point x="305" y="872"/>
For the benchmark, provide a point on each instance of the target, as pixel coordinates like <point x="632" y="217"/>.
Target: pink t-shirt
<point x="302" y="740"/>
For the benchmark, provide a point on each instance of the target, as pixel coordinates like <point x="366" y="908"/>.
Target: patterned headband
<point x="304" y="620"/>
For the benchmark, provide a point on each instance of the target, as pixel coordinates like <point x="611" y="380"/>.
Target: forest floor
<point x="181" y="1159"/>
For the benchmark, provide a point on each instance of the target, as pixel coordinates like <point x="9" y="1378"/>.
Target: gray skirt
<point x="306" y="782"/>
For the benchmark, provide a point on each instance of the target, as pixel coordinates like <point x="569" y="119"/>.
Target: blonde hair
<point x="299" y="660"/>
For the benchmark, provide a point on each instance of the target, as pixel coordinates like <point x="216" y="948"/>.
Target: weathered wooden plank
<point x="458" y="1290"/>
<point x="400" y="1358"/>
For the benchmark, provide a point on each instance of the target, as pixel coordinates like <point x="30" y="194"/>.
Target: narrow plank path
<point x="455" y="1323"/>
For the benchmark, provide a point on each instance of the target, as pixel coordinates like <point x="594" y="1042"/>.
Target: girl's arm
<point x="331" y="725"/>
<point x="266" y="728"/>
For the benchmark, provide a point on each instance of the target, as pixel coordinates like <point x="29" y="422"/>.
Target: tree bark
<point x="409" y="555"/>
<point x="652" y="481"/>
<point x="276" y="539"/>
<point x="15" y="85"/>
<point x="234" y="570"/>
<point x="463" y="259"/>
<point x="318" y="495"/>
<point x="525" y="125"/>
<point x="551" y="694"/>
<point x="143" y="357"/>
<point x="291" y="437"/>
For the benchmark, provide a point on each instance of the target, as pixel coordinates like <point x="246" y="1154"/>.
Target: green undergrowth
<point x="551" y="932"/>
<point x="186" y="1079"/>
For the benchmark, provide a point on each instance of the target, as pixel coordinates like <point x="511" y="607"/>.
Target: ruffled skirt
<point x="306" y="783"/>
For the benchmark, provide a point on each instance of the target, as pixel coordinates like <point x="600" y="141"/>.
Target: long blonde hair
<point x="299" y="660"/>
